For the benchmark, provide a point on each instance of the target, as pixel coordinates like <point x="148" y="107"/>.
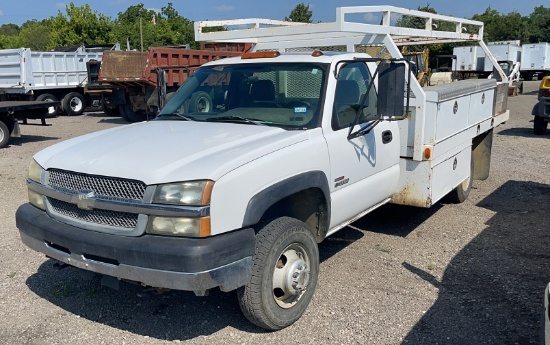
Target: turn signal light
<point x="427" y="153"/>
<point x="260" y="55"/>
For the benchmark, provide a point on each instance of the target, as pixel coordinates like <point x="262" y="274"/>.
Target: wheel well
<point x="308" y="206"/>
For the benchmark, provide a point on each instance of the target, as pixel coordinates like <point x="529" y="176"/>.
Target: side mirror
<point x="391" y="89"/>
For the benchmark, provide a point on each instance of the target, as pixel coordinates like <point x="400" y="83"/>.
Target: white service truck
<point x="257" y="159"/>
<point x="50" y="76"/>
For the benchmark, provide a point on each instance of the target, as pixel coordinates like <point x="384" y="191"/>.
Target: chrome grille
<point x="111" y="218"/>
<point x="103" y="187"/>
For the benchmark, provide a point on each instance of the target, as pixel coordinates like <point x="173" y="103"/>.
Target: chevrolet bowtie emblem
<point x="84" y="201"/>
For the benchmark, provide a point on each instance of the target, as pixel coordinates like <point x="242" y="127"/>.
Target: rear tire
<point x="73" y="104"/>
<point x="47" y="97"/>
<point x="130" y="115"/>
<point x="462" y="191"/>
<point x="4" y="135"/>
<point x="539" y="125"/>
<point x="110" y="111"/>
<point x="284" y="274"/>
<point x="201" y="102"/>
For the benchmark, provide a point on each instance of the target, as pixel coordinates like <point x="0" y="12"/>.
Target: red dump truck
<point x="135" y="84"/>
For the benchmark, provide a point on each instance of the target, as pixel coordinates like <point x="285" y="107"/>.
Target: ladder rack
<point x="282" y="34"/>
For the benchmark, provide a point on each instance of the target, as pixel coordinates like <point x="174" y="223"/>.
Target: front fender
<point x="260" y="202"/>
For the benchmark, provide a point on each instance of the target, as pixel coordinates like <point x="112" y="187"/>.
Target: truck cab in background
<point x="541" y="110"/>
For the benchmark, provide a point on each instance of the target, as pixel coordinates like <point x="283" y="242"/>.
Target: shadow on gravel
<point x="173" y="315"/>
<point x="388" y="219"/>
<point x="25" y="138"/>
<point x="520" y="132"/>
<point x="168" y="316"/>
<point x="492" y="290"/>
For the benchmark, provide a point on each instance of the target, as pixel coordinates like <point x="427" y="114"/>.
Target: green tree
<point x="300" y="14"/>
<point x="166" y="28"/>
<point x="35" y="35"/>
<point x="498" y="27"/>
<point x="80" y="25"/>
<point x="9" y="30"/>
<point x="539" y="24"/>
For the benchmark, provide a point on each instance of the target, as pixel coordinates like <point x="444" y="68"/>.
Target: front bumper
<point x="546" y="318"/>
<point x="190" y="264"/>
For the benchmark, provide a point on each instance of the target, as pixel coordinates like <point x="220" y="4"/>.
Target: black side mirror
<point x="391" y="89"/>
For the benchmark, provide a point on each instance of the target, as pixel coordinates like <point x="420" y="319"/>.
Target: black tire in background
<point x="47" y="97"/>
<point x="539" y="125"/>
<point x="110" y="111"/>
<point x="4" y="134"/>
<point x="73" y="104"/>
<point x="201" y="102"/>
<point x="130" y="115"/>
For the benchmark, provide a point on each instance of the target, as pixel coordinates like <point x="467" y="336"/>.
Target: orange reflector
<point x="427" y="153"/>
<point x="204" y="227"/>
<point x="317" y="53"/>
<point x="260" y="55"/>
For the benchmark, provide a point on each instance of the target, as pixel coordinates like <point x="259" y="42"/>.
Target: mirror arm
<point x="363" y="100"/>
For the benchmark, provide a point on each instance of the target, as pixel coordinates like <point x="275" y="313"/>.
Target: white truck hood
<point x="167" y="151"/>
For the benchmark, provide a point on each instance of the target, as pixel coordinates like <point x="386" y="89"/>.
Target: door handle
<point x="386" y="137"/>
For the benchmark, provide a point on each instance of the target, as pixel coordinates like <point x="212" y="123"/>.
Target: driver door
<point x="365" y="169"/>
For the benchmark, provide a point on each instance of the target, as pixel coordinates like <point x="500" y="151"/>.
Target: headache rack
<point x="356" y="29"/>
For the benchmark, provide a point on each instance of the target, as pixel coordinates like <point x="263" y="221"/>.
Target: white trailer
<point x="535" y="60"/>
<point x="257" y="159"/>
<point x="46" y="76"/>
<point x="470" y="60"/>
<point x="504" y="51"/>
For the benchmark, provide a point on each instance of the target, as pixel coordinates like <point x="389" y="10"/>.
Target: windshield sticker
<point x="300" y="110"/>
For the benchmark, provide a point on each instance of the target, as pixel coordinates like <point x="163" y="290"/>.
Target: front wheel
<point x="539" y="125"/>
<point x="284" y="274"/>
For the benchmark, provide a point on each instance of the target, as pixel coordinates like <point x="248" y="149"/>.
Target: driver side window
<point x="351" y="96"/>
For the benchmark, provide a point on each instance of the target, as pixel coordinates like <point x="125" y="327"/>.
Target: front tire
<point x="284" y="274"/>
<point x="540" y="126"/>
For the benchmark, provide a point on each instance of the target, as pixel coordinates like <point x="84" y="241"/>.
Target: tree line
<point x="81" y="25"/>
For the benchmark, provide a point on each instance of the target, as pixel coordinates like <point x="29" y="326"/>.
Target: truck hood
<point x="167" y="151"/>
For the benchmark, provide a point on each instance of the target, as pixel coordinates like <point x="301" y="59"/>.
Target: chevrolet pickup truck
<point x="256" y="159"/>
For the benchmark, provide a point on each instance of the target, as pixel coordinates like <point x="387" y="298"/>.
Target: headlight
<point x="35" y="171"/>
<point x="35" y="174"/>
<point x="184" y="193"/>
<point x="175" y="226"/>
<point x="36" y="200"/>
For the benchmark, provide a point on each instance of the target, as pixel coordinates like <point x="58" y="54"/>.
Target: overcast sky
<point x="19" y="11"/>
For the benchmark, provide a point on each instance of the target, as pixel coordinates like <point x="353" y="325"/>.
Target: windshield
<point x="284" y="95"/>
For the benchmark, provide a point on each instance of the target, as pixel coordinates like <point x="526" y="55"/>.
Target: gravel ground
<point x="472" y="273"/>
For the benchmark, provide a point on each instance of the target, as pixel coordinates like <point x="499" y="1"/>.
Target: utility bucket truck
<point x="304" y="135"/>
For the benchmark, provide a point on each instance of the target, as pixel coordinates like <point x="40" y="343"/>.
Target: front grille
<point x="103" y="187"/>
<point x="97" y="216"/>
<point x="109" y="188"/>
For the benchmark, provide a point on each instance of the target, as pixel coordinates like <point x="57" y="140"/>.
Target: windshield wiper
<point x="181" y="116"/>
<point x="238" y="119"/>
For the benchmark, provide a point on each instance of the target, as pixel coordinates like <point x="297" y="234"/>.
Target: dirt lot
<point x="472" y="273"/>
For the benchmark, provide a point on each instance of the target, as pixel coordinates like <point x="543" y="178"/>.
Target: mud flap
<point x="482" y="146"/>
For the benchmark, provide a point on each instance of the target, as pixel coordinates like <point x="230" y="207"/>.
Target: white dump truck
<point x="257" y="159"/>
<point x="47" y="76"/>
